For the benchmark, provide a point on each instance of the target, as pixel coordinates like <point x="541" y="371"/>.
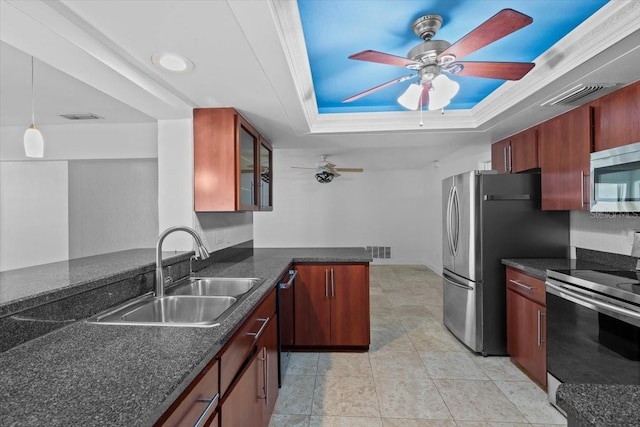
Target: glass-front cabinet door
<point x="265" y="176"/>
<point x="248" y="144"/>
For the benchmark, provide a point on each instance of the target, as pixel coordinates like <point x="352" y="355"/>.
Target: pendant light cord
<point x="33" y="114"/>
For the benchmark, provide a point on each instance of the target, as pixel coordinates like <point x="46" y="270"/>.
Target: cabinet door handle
<point x="326" y="283"/>
<point x="523" y="286"/>
<point x="509" y="158"/>
<point x="540" y="340"/>
<point x="504" y="155"/>
<point x="265" y="379"/>
<point x="205" y="414"/>
<point x="256" y="335"/>
<point x="333" y="285"/>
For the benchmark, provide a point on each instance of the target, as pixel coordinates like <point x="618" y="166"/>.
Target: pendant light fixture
<point x="33" y="142"/>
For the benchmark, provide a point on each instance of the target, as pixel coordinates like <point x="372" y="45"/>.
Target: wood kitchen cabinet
<point x="526" y="324"/>
<point x="252" y="396"/>
<point x="199" y="399"/>
<point x="565" y="148"/>
<point x="617" y="118"/>
<point x="249" y="370"/>
<point x="227" y="162"/>
<point x="517" y="153"/>
<point x="332" y="305"/>
<point x="265" y="182"/>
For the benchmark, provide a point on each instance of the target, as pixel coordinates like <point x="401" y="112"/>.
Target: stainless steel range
<point x="593" y="327"/>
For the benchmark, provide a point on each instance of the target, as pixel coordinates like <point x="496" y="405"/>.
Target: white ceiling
<point x="251" y="55"/>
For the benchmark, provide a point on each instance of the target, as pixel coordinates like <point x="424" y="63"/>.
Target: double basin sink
<point x="192" y="302"/>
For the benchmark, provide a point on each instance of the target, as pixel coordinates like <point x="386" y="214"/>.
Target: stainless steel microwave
<point x="615" y="179"/>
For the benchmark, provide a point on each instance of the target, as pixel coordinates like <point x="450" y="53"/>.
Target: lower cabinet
<point x="526" y="324"/>
<point x="250" y="397"/>
<point x="197" y="405"/>
<point x="240" y="386"/>
<point x="332" y="305"/>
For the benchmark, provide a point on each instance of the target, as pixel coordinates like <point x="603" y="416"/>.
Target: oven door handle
<point x="590" y="302"/>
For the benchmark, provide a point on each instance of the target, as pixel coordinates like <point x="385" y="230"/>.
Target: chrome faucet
<point x="201" y="253"/>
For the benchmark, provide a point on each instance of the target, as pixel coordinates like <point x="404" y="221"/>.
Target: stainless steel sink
<point x="214" y="286"/>
<point x="184" y="311"/>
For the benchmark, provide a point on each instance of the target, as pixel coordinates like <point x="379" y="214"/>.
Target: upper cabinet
<point x="517" y="153"/>
<point x="265" y="177"/>
<point x="617" y="118"/>
<point x="228" y="163"/>
<point x="565" y="147"/>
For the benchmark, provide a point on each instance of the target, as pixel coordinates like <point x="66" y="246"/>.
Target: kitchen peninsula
<point x="130" y="375"/>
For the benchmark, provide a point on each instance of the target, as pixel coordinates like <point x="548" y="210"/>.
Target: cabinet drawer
<point x="527" y="286"/>
<point x="239" y="347"/>
<point x="200" y="399"/>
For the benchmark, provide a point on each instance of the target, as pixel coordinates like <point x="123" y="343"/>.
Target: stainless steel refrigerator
<point x="487" y="217"/>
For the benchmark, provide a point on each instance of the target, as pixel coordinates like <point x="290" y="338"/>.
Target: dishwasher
<point x="285" y="322"/>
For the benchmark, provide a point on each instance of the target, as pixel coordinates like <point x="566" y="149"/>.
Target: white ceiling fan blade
<point x="301" y="167"/>
<point x="334" y="173"/>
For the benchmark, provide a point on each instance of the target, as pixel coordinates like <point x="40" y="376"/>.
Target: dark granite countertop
<point x="601" y="405"/>
<point x="30" y="286"/>
<point x="103" y="375"/>
<point x="537" y="267"/>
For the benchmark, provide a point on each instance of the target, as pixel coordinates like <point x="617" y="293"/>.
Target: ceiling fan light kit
<point x="432" y="60"/>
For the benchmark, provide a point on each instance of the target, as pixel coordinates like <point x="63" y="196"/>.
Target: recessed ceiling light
<point x="172" y="62"/>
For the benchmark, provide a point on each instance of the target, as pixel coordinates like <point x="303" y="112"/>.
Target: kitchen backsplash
<point x="604" y="231"/>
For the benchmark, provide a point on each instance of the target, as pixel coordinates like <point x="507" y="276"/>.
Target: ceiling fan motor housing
<point x="427" y="26"/>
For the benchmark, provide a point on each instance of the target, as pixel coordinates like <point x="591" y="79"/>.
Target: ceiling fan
<point x="326" y="171"/>
<point x="434" y="59"/>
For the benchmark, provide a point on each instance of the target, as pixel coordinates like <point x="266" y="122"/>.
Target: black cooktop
<point x="623" y="284"/>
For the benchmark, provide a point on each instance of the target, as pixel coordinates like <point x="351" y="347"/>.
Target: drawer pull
<point x="523" y="286"/>
<point x="256" y="335"/>
<point x="207" y="410"/>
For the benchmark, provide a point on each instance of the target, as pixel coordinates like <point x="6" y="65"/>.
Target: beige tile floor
<point x="415" y="373"/>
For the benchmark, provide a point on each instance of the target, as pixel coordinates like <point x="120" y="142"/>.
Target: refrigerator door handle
<point x="458" y="281"/>
<point x="455" y="204"/>
<point x="448" y="216"/>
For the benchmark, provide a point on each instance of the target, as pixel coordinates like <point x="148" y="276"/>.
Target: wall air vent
<point x="81" y="116"/>
<point x="576" y="93"/>
<point x="379" y="251"/>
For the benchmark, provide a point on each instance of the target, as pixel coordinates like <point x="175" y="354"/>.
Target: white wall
<point x="33" y="213"/>
<point x="603" y="231"/>
<point x="35" y="193"/>
<point x="113" y="205"/>
<point x="398" y="208"/>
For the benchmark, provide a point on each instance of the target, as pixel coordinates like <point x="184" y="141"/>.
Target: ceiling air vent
<point x="81" y="116"/>
<point x="576" y="93"/>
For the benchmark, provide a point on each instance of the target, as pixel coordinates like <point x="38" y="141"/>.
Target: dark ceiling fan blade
<point x="383" y="58"/>
<point x="374" y="89"/>
<point x="349" y="169"/>
<point x="499" y="25"/>
<point x="425" y="94"/>
<point x="495" y="70"/>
